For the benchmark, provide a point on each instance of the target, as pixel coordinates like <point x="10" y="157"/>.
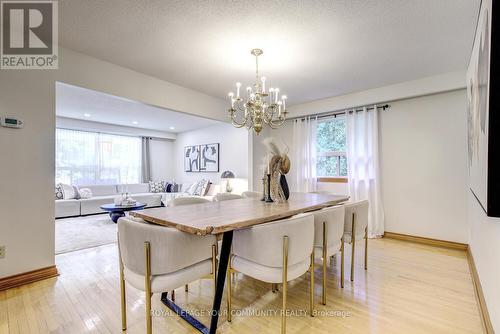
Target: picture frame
<point x="209" y="158"/>
<point x="483" y="118"/>
<point x="192" y="158"/>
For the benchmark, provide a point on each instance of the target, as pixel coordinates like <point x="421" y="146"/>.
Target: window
<point x="96" y="158"/>
<point x="331" y="148"/>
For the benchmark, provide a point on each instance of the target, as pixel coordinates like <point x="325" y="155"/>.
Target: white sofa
<point x="104" y="194"/>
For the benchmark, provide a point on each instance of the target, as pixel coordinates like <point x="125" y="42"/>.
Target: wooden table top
<point x="220" y="217"/>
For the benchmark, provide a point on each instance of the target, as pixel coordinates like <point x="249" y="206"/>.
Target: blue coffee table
<point x="117" y="211"/>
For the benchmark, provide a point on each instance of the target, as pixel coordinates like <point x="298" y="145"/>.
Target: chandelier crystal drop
<point x="258" y="106"/>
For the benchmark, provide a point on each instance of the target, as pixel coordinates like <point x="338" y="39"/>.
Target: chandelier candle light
<point x="259" y="106"/>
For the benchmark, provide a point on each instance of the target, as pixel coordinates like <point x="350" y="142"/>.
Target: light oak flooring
<point x="408" y="288"/>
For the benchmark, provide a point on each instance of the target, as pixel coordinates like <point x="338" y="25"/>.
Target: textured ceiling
<point x="312" y="49"/>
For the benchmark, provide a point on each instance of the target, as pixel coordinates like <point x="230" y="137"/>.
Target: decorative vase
<point x="284" y="186"/>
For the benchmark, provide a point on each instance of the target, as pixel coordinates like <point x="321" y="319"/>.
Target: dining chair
<point x="150" y="260"/>
<point x="187" y="200"/>
<point x="356" y="228"/>
<point x="328" y="233"/>
<point x="251" y="194"/>
<point x="276" y="252"/>
<point x="226" y="197"/>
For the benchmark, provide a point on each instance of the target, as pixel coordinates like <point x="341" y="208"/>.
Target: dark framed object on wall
<point x="192" y="158"/>
<point x="483" y="102"/>
<point x="209" y="158"/>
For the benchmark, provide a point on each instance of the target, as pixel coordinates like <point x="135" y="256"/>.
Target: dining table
<point x="223" y="218"/>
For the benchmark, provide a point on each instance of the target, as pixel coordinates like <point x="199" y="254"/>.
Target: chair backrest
<point x="334" y="219"/>
<point x="251" y="194"/>
<point x="171" y="249"/>
<point x="360" y="209"/>
<point x="226" y="197"/>
<point x="187" y="200"/>
<point x="263" y="243"/>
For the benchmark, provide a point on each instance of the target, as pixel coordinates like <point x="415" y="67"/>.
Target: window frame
<point x="338" y="154"/>
<point x="98" y="146"/>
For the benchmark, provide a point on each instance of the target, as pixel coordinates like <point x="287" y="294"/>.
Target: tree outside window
<point x="331" y="148"/>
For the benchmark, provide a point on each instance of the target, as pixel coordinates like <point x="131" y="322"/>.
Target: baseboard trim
<point x="478" y="292"/>
<point x="28" y="277"/>
<point x="427" y="241"/>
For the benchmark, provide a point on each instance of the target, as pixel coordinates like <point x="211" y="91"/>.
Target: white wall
<point x="27" y="166"/>
<point x="485" y="246"/>
<point x="162" y="152"/>
<point x="79" y="124"/>
<point x="233" y="153"/>
<point x="423" y="166"/>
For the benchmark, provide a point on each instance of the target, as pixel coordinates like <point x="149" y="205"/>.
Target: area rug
<point x="84" y="232"/>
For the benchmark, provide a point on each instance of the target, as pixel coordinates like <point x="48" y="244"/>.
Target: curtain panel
<point x="85" y="158"/>
<point x="304" y="155"/>
<point x="363" y="165"/>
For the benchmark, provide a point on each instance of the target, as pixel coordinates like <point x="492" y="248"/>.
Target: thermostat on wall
<point x="10" y="122"/>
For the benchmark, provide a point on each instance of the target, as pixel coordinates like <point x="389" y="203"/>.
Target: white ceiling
<point x="312" y="49"/>
<point x="81" y="103"/>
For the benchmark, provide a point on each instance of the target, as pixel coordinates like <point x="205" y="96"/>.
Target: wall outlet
<point x="2" y="252"/>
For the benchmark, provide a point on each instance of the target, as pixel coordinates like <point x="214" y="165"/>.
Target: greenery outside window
<point x="331" y="149"/>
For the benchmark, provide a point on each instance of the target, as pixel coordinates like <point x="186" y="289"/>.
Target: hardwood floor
<point x="408" y="288"/>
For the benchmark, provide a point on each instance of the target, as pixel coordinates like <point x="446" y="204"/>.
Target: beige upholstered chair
<point x="150" y="260"/>
<point x="328" y="233"/>
<point x="275" y="252"/>
<point x="356" y="228"/>
<point x="226" y="197"/>
<point x="251" y="194"/>
<point x="187" y="200"/>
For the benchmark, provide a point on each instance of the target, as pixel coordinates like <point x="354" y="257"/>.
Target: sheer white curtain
<point x="304" y="155"/>
<point x="84" y="158"/>
<point x="363" y="165"/>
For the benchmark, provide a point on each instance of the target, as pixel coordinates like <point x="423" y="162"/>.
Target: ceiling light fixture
<point x="135" y="122"/>
<point x="259" y="106"/>
<point x="172" y="128"/>
<point x="86" y="115"/>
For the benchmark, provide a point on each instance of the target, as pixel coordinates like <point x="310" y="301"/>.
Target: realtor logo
<point x="29" y="35"/>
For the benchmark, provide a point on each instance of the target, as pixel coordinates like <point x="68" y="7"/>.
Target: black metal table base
<point x="227" y="240"/>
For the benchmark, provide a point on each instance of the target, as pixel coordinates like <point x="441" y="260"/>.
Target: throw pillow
<point x="59" y="192"/>
<point x="168" y="187"/>
<point x="85" y="193"/>
<point x="193" y="188"/>
<point x="156" y="187"/>
<point x="77" y="192"/>
<point x="207" y="189"/>
<point x="68" y="191"/>
<point x="176" y="188"/>
<point x="201" y="187"/>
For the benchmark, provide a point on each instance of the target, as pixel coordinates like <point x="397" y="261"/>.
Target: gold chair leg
<point x="342" y="264"/>
<point x="366" y="248"/>
<point x="147" y="283"/>
<point x="229" y="292"/>
<point x="285" y="287"/>
<point x="123" y="299"/>
<point x="353" y="243"/>
<point x="311" y="284"/>
<point x="325" y="256"/>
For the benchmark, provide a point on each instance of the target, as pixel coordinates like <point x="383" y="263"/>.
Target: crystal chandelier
<point x="258" y="107"/>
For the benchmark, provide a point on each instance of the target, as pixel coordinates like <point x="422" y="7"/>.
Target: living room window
<point x="331" y="165"/>
<point x="84" y="158"/>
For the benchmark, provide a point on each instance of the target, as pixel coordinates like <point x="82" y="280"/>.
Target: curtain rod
<point x="335" y="113"/>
